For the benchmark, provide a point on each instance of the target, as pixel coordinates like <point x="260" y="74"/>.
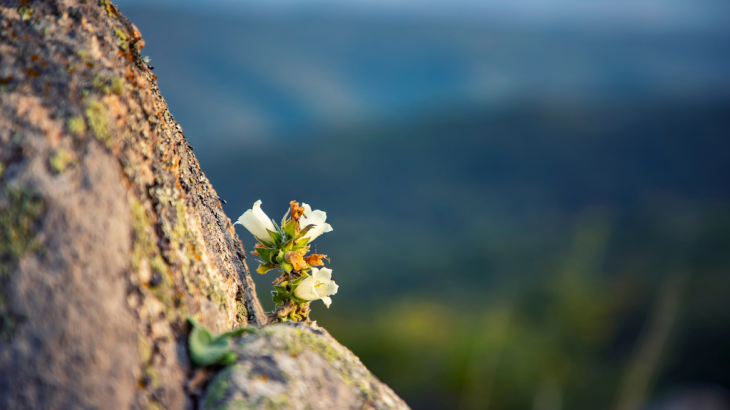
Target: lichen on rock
<point x="297" y="366"/>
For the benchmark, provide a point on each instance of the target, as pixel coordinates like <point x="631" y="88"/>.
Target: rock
<point x="295" y="366"/>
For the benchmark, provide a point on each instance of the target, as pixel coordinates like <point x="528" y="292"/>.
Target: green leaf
<point x="204" y="349"/>
<point x="236" y="332"/>
<point x="228" y="358"/>
<point x="265" y="268"/>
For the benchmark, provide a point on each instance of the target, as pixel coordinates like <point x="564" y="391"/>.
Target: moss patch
<point x="109" y="7"/>
<point x="218" y="389"/>
<point x="144" y="349"/>
<point x="61" y="160"/>
<point x="108" y="85"/>
<point x="144" y="246"/>
<point x="241" y="312"/>
<point x="123" y="40"/>
<point x="18" y="215"/>
<point x="318" y="345"/>
<point x="76" y="125"/>
<point x="98" y="117"/>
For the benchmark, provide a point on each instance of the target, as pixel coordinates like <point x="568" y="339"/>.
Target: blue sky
<point x="648" y="14"/>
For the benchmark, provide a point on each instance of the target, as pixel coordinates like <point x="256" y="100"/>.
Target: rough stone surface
<point x="295" y="366"/>
<point x="110" y="234"/>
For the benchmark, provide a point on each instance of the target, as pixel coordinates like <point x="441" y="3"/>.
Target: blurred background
<point x="530" y="199"/>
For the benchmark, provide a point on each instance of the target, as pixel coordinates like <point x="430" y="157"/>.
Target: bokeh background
<point x="530" y="198"/>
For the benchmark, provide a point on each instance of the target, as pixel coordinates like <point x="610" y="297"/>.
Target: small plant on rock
<point x="285" y="247"/>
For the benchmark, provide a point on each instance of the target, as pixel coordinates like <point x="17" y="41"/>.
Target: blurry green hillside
<point x="506" y="256"/>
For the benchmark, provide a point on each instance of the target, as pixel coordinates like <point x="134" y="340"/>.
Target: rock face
<point x="294" y="366"/>
<point x="110" y="234"/>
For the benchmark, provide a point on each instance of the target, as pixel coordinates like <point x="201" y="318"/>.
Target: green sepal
<point x="262" y="269"/>
<point x="279" y="298"/>
<point x="288" y="246"/>
<point x="290" y="228"/>
<point x="295" y="283"/>
<point x="297" y="300"/>
<point x="286" y="215"/>
<point x="304" y="230"/>
<point x="303" y="241"/>
<point x="275" y="237"/>
<point x="267" y="244"/>
<point x="286" y="266"/>
<point x="266" y="254"/>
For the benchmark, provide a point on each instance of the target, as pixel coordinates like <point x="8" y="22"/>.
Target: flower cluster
<point x="285" y="247"/>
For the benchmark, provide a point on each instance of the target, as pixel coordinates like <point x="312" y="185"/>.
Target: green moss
<point x="18" y="214"/>
<point x="98" y="118"/>
<point x="117" y="85"/>
<point x="241" y="312"/>
<point x="218" y="389"/>
<point x="331" y="354"/>
<point x="153" y="405"/>
<point x="76" y="125"/>
<point x="158" y="265"/>
<point x="25" y="13"/>
<point x="108" y="7"/>
<point x="144" y="349"/>
<point x="318" y="346"/>
<point x="153" y="376"/>
<point x="123" y="40"/>
<point x="61" y="160"/>
<point x="143" y="245"/>
<point x="108" y="85"/>
<point x="17" y="217"/>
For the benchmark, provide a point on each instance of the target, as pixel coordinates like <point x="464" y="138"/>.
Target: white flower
<point x="317" y="286"/>
<point x="256" y="221"/>
<point x="316" y="218"/>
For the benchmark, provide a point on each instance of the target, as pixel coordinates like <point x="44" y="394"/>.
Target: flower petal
<point x="316" y="218"/>
<point x="256" y="221"/>
<point x="322" y="275"/>
<point x="306" y="290"/>
<point x="327" y="301"/>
